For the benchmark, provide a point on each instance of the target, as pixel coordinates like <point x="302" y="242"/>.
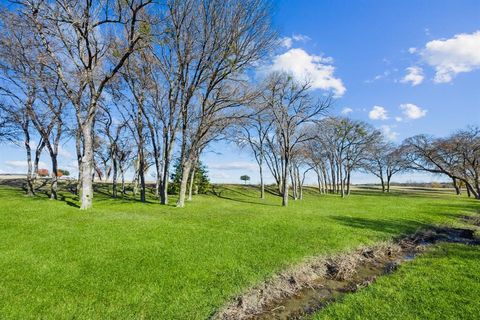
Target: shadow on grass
<point x="237" y="196"/>
<point x="410" y="191"/>
<point x="71" y="201"/>
<point x="384" y="226"/>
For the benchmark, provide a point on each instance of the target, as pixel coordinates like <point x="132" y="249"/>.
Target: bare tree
<point x="291" y="107"/>
<point x="19" y="59"/>
<point x="384" y="160"/>
<point x="207" y="46"/>
<point x="252" y="132"/>
<point x="87" y="42"/>
<point x="456" y="156"/>
<point x="355" y="140"/>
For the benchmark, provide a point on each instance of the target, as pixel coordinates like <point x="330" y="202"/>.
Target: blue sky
<point x="406" y="67"/>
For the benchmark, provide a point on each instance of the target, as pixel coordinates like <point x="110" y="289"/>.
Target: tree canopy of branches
<point x="456" y="156"/>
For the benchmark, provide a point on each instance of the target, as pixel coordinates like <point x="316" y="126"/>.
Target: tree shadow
<point x="219" y="194"/>
<point x="392" y="227"/>
<point x="69" y="201"/>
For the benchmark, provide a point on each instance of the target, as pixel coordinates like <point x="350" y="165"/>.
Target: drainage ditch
<point x="309" y="287"/>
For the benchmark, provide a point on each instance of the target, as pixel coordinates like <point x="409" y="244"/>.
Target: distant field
<point x="130" y="260"/>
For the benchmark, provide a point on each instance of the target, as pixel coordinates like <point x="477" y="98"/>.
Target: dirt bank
<point x="308" y="287"/>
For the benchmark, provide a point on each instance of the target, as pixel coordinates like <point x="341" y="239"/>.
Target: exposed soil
<point x="307" y="288"/>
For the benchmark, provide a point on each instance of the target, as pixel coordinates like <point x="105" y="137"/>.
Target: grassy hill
<point x="131" y="260"/>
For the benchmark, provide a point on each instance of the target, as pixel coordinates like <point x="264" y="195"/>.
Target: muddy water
<point x="312" y="299"/>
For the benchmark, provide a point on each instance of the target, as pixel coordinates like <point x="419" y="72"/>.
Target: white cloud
<point x="450" y="57"/>
<point x="414" y="76"/>
<point x="346" y="111"/>
<point x="412" y="111"/>
<point x="301" y="37"/>
<point x="412" y="50"/>
<point x="378" y="113"/>
<point x="303" y="66"/>
<point x="384" y="75"/>
<point x="389" y="133"/>
<point x="22" y="164"/>
<point x="286" y="42"/>
<point x="233" y="166"/>
<point x="398" y="119"/>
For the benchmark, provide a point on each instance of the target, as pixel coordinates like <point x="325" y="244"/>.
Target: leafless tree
<point x="355" y="139"/>
<point x="206" y="48"/>
<point x="384" y="160"/>
<point x="87" y="42"/>
<point x="292" y="108"/>
<point x="456" y="156"/>
<point x="252" y="132"/>
<point x="19" y="89"/>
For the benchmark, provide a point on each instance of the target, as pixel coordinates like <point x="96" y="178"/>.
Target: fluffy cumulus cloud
<point x="346" y="111"/>
<point x="450" y="57"/>
<point x="414" y="76"/>
<point x="378" y="113"/>
<point x="304" y="66"/>
<point x="389" y="133"/>
<point x="412" y="111"/>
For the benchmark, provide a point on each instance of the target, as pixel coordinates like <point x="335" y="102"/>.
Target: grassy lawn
<point x="128" y="260"/>
<point x="442" y="284"/>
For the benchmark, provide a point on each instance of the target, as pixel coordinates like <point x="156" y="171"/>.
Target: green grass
<point x="442" y="284"/>
<point x="128" y="260"/>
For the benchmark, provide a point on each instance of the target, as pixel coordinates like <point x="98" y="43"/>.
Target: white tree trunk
<point x="183" y="184"/>
<point x="87" y="168"/>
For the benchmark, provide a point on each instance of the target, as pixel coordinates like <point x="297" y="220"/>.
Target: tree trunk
<point x="87" y="167"/>
<point x="141" y="175"/>
<point x="135" y="185"/>
<point x="78" y="147"/>
<point x="383" y="184"/>
<point x="333" y="178"/>
<point x="285" y="183"/>
<point x="455" y="185"/>
<point x="389" y="178"/>
<point x="319" y="181"/>
<point x="325" y="180"/>
<point x="293" y="182"/>
<point x="348" y="183"/>
<point x="190" y="187"/>
<point x="342" y="182"/>
<point x="114" y="174"/>
<point x="54" y="184"/>
<point x="299" y="184"/>
<point x="262" y="185"/>
<point x="183" y="183"/>
<point x="122" y="173"/>
<point x="165" y="174"/>
<point x="30" y="191"/>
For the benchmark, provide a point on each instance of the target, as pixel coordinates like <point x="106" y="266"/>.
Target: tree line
<point x="136" y="84"/>
<point x="132" y="82"/>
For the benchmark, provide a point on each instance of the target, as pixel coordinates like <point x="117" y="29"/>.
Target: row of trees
<point x="135" y="84"/>
<point x="132" y="82"/>
<point x="293" y="140"/>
